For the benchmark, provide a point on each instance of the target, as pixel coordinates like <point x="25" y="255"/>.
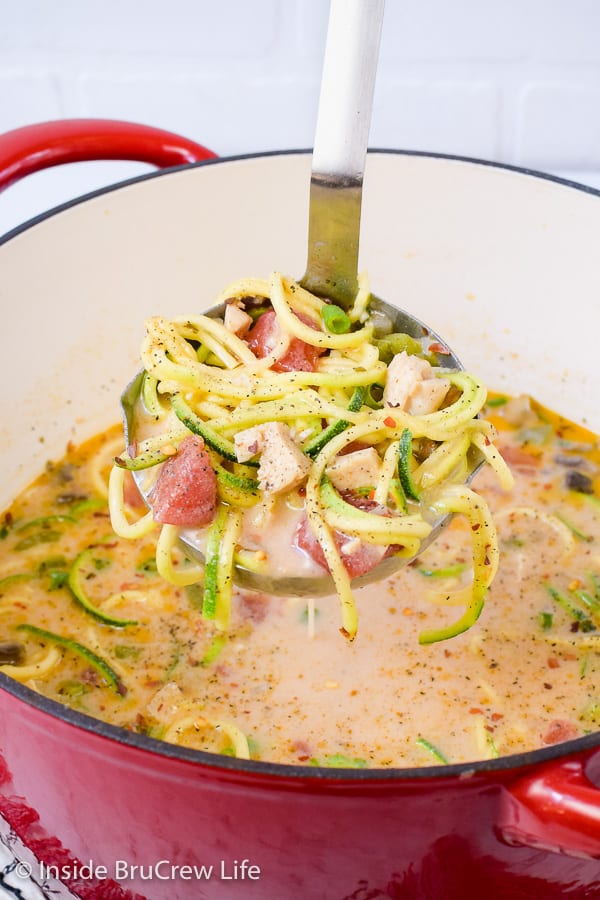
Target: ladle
<point x="338" y="162"/>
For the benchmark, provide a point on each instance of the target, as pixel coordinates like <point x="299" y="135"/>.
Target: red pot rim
<point x="288" y="771"/>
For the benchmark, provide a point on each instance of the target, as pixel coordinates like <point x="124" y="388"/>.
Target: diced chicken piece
<point x="163" y="705"/>
<point x="237" y="320"/>
<point x="282" y="464"/>
<point x="412" y="385"/>
<point x="355" y="470"/>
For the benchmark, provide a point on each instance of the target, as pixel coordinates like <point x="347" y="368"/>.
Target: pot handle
<point x="555" y="808"/>
<point x="33" y="147"/>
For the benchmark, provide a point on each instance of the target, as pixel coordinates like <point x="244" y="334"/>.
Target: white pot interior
<point x="504" y="265"/>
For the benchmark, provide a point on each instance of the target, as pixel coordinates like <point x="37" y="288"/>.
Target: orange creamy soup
<point x="86" y="620"/>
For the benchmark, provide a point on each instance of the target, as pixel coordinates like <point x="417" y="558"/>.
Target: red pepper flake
<point x="476" y="526"/>
<point x="475" y="711"/>
<point x="436" y="347"/>
<point x="497" y="716"/>
<point x="391" y="423"/>
<point x="553" y="662"/>
<point x="487" y="441"/>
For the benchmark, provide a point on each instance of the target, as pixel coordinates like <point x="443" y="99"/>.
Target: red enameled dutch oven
<point x="489" y="256"/>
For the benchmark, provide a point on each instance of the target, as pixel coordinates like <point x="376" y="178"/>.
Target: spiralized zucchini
<point x="202" y="378"/>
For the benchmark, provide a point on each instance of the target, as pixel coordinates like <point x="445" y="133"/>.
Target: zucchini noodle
<point x="42" y="666"/>
<point x="305" y="388"/>
<point x="118" y="515"/>
<point x="198" y="721"/>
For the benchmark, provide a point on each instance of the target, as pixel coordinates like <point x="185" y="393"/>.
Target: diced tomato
<point x="560" y="730"/>
<point x="131" y="493"/>
<point x="359" y="559"/>
<point x="185" y="492"/>
<point x="299" y="357"/>
<point x="519" y="459"/>
<point x="253" y="606"/>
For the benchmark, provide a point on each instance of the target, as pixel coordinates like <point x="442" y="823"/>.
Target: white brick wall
<point x="517" y="81"/>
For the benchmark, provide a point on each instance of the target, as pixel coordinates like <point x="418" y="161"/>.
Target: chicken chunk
<point x="236" y="320"/>
<point x="282" y="464"/>
<point x="412" y="385"/>
<point x="355" y="470"/>
<point x="165" y="702"/>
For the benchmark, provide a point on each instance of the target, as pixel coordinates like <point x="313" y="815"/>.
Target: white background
<point x="516" y="81"/>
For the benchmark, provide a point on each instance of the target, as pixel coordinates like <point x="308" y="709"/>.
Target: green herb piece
<point x="546" y="619"/>
<point x="40" y="537"/>
<point x="58" y="579"/>
<point x="496" y="401"/>
<point x="126" y="651"/>
<point x="335" y="319"/>
<point x="90" y="504"/>
<point x="214" y="650"/>
<point x="51" y="563"/>
<point x="448" y="572"/>
<point x="584" y="665"/>
<point x="492" y="745"/>
<point x="588" y="599"/>
<point x="148" y="566"/>
<point x="73" y="689"/>
<point x="404" y="466"/>
<point x="432" y="749"/>
<point x="76" y="577"/>
<point x="44" y="522"/>
<point x="97" y="663"/>
<point x="339" y="761"/>
<point x="585" y="623"/>
<point x="392" y="344"/>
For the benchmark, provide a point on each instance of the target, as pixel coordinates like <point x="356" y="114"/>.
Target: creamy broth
<point x="522" y="677"/>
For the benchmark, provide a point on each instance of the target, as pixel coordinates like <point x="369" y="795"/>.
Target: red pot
<point x="100" y="801"/>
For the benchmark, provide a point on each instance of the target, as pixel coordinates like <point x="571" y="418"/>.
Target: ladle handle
<point x="340" y="148"/>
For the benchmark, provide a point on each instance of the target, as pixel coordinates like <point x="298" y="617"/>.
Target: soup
<point x="86" y="620"/>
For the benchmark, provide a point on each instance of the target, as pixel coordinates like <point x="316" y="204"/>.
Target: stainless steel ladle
<point x="338" y="162"/>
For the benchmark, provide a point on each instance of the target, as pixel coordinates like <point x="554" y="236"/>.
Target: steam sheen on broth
<point x="86" y="620"/>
